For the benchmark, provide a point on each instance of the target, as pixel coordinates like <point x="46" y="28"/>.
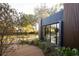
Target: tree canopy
<point x="8" y="16"/>
<point x="43" y="11"/>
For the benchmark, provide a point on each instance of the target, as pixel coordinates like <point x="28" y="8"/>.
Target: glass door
<point x="55" y="33"/>
<point x="51" y="33"/>
<point x="48" y="33"/>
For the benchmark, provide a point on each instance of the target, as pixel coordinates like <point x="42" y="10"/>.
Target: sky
<point x="28" y="6"/>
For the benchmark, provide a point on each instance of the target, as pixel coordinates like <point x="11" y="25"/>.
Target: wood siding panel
<point x="71" y="25"/>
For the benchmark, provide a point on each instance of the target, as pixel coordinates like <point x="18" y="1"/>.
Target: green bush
<point x="23" y="42"/>
<point x="53" y="51"/>
<point x="35" y="42"/>
<point x="68" y="51"/>
<point x="46" y="48"/>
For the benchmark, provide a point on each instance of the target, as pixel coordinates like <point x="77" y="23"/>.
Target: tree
<point x="7" y="18"/>
<point x="55" y="8"/>
<point x="42" y="12"/>
<point x="29" y="21"/>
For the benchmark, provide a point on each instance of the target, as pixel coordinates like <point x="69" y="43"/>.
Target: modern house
<point x="62" y="28"/>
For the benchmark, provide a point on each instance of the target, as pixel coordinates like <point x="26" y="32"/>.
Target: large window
<point x="44" y="32"/>
<point x="51" y="33"/>
<point x="55" y="33"/>
<point x="48" y="33"/>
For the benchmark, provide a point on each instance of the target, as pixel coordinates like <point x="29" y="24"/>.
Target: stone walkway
<point x="26" y="50"/>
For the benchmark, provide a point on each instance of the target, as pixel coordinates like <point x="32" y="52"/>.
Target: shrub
<point x="35" y="42"/>
<point x="53" y="51"/>
<point x="46" y="48"/>
<point x="68" y="51"/>
<point x="23" y="42"/>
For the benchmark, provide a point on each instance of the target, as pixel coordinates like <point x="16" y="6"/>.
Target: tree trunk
<point x="1" y="46"/>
